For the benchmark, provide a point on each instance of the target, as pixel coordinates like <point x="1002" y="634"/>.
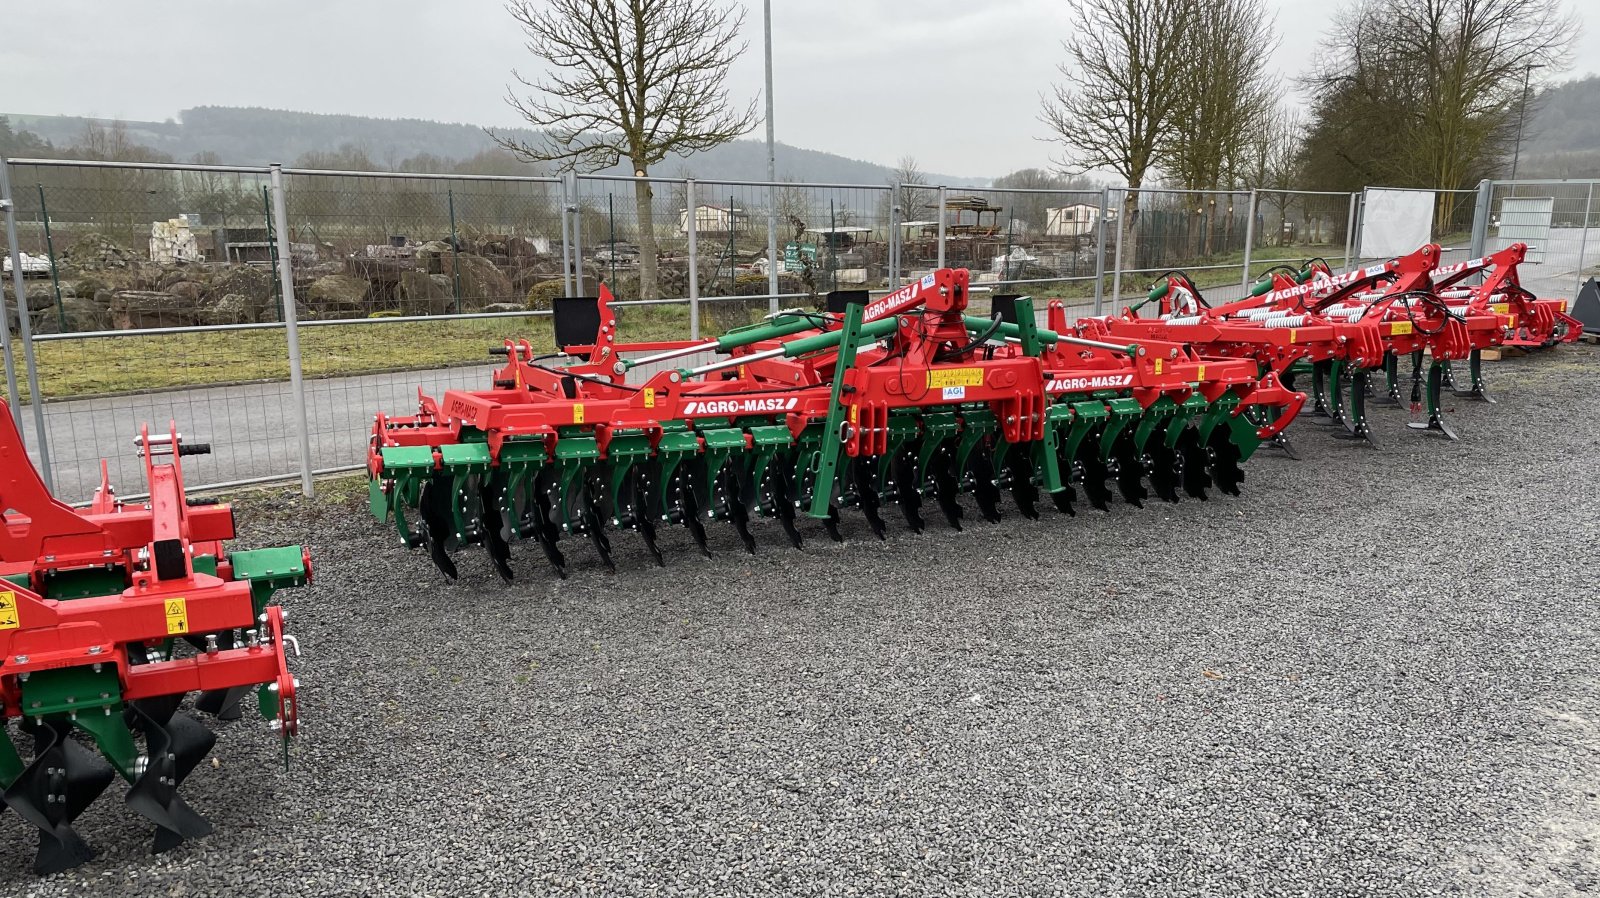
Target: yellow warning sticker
<point x="855" y="414"/>
<point x="1501" y="308"/>
<point x="1158" y="365"/>
<point x="1562" y="307"/>
<point x="649" y="397"/>
<point x="8" y="610"/>
<point x="1291" y="335"/>
<point x="1399" y="328"/>
<point x="955" y="377"/>
<point x="1201" y="373"/>
<point x="177" y="616"/>
<point x="577" y="413"/>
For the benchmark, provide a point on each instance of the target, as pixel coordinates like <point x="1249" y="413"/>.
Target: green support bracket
<point x="1120" y="413"/>
<point x="832" y="443"/>
<point x="1027" y="327"/>
<point x="114" y="739"/>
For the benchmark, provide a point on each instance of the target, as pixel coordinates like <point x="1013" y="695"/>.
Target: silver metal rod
<point x="154" y="166"/>
<point x="1583" y="243"/>
<point x="421" y="176"/>
<point x="1127" y="348"/>
<point x="25" y="330"/>
<point x="297" y="383"/>
<point x="577" y="239"/>
<point x="772" y="169"/>
<point x="671" y="354"/>
<point x="1100" y="252"/>
<point x="1350" y="230"/>
<point x="942" y="194"/>
<point x="1249" y="240"/>
<point x="894" y="235"/>
<point x="566" y="244"/>
<point x="736" y="361"/>
<point x="22" y="304"/>
<point x="1116" y="266"/>
<point x="694" y="258"/>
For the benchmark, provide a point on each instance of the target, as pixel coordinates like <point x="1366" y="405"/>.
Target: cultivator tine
<point x="1391" y="380"/>
<point x="1356" y="426"/>
<point x="61" y="782"/>
<point x="1166" y="468"/>
<point x="434" y="507"/>
<point x="1319" y="390"/>
<point x="1128" y="466"/>
<point x="734" y="492"/>
<point x="864" y="476"/>
<point x="687" y="505"/>
<point x="907" y="486"/>
<point x="1434" y="396"/>
<point x="1093" y="472"/>
<point x="1475" y="371"/>
<point x="174" y="745"/>
<point x="496" y="526"/>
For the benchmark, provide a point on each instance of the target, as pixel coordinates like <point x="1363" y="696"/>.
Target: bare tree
<point x="1227" y="95"/>
<point x="1426" y="93"/>
<point x="629" y="79"/>
<point x="911" y="192"/>
<point x="1124" y="80"/>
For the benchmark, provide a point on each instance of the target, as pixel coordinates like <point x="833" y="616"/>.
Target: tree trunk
<point x="1128" y="226"/>
<point x="643" y="197"/>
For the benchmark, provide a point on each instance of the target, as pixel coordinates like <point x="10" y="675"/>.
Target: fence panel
<point x="1569" y="253"/>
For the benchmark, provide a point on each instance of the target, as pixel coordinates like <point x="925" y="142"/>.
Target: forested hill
<point x="1562" y="139"/>
<point x="258" y="136"/>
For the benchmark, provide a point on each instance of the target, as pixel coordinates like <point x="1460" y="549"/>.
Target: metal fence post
<point x="894" y="235"/>
<point x="1249" y="238"/>
<point x="1480" y="218"/>
<point x="25" y="328"/>
<point x="566" y="244"/>
<point x="1583" y="242"/>
<point x="577" y="236"/>
<point x="5" y="325"/>
<point x="291" y="327"/>
<point x="772" y="239"/>
<point x="1351" y="223"/>
<point x="942" y="195"/>
<point x="694" y="259"/>
<point x="1116" y="263"/>
<point x="1100" y="253"/>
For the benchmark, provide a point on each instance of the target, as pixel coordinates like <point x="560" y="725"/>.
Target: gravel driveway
<point x="1373" y="674"/>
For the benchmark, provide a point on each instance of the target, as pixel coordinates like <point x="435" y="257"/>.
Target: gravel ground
<point x="1371" y="675"/>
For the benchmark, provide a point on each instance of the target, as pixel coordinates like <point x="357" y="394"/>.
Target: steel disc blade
<point x="946" y="486"/>
<point x="536" y="517"/>
<point x="1225" y="456"/>
<point x="780" y="492"/>
<point x="1129" y="469"/>
<point x="1093" y="472"/>
<point x="982" y="476"/>
<point x="434" y="508"/>
<point x="1019" y="471"/>
<point x="688" y="506"/>
<point x="732" y="495"/>
<point x="864" y="476"/>
<point x="222" y="704"/>
<point x="63" y="779"/>
<point x="1165" y="469"/>
<point x="590" y="517"/>
<point x="1195" y="459"/>
<point x="496" y="529"/>
<point x="638" y="512"/>
<point x="907" y="491"/>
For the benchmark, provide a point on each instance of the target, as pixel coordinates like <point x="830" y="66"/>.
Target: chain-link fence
<point x="271" y="311"/>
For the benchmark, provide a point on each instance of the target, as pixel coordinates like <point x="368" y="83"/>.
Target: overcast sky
<point x="954" y="83"/>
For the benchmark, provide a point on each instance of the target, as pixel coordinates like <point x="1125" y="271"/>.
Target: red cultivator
<point x="109" y="617"/>
<point x="1341" y="328"/>
<point x="904" y="399"/>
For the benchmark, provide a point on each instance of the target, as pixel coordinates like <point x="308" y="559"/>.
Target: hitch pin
<point x="291" y="641"/>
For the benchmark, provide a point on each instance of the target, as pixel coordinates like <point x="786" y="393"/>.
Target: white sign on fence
<point x="1526" y="219"/>
<point x="1395" y="222"/>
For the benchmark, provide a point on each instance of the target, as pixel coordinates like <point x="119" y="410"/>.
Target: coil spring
<point x="1285" y="321"/>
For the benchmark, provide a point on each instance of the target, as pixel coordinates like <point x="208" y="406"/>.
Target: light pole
<point x="1522" y="112"/>
<point x="772" y="170"/>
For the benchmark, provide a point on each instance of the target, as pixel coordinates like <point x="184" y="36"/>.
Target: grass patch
<point x="101" y="365"/>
